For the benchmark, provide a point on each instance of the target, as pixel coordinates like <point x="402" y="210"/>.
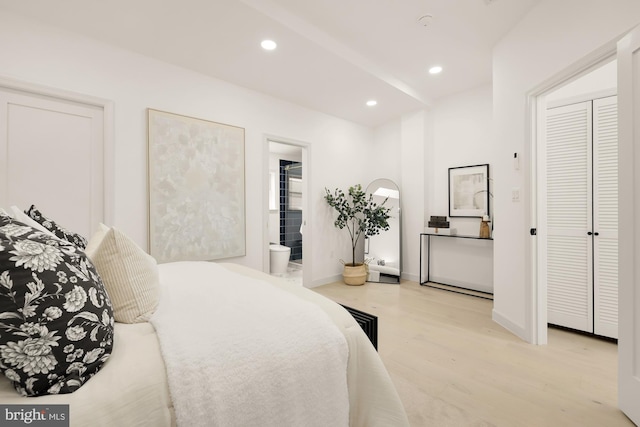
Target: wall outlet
<point x="515" y="195"/>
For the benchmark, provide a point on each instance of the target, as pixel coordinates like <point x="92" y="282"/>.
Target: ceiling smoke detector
<point x="489" y="2"/>
<point x="425" y="20"/>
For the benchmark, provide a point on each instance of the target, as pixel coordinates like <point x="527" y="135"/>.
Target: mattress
<point x="130" y="389"/>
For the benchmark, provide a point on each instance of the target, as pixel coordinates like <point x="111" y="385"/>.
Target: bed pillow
<point x="95" y="240"/>
<point x="130" y="276"/>
<point x="19" y="215"/>
<point x="56" y="229"/>
<point x="56" y="320"/>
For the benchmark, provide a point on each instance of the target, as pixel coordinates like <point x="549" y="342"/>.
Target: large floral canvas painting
<point x="196" y="188"/>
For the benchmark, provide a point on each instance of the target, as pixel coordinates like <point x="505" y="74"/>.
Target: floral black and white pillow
<point x="56" y="320"/>
<point x="59" y="231"/>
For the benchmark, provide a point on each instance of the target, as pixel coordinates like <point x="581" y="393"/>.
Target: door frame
<point x="307" y="240"/>
<point x="536" y="113"/>
<point x="107" y="107"/>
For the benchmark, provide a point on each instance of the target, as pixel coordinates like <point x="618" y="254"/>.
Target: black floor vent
<point x="368" y="323"/>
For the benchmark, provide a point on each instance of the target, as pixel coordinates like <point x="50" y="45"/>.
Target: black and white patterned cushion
<point x="56" y="229"/>
<point x="56" y="320"/>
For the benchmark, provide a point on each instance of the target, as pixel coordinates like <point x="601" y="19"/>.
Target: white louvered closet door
<point x="569" y="217"/>
<point x="605" y="222"/>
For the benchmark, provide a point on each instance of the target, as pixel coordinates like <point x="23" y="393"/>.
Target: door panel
<point x="569" y="217"/>
<point x="53" y="158"/>
<point x="605" y="222"/>
<point x="629" y="224"/>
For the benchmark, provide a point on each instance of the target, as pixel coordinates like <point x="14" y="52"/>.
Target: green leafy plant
<point x="359" y="214"/>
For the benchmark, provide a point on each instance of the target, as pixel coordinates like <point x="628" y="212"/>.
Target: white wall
<point x="416" y="134"/>
<point x="384" y="155"/>
<point x="555" y="35"/>
<point x="455" y="132"/>
<point x="47" y="56"/>
<point x="462" y="136"/>
<point x="463" y="133"/>
<point x="602" y="78"/>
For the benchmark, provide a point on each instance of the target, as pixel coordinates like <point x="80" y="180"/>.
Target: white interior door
<point x="629" y="224"/>
<point x="569" y="196"/>
<point x="605" y="221"/>
<point x="51" y="155"/>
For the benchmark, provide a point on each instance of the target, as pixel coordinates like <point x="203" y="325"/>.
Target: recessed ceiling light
<point x="435" y="70"/>
<point x="268" y="44"/>
<point x="372" y="103"/>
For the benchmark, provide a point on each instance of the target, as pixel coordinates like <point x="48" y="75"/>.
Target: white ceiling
<point x="332" y="55"/>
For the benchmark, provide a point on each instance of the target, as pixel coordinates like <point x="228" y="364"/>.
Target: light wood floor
<point x="453" y="366"/>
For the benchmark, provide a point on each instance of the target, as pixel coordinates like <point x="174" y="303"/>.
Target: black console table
<point x="447" y="286"/>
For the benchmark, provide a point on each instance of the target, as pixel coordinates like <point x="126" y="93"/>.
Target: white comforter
<point x="241" y="352"/>
<point x="131" y="389"/>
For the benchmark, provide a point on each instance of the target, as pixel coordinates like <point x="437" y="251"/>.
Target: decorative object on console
<point x="56" y="322"/>
<point x="469" y="191"/>
<point x="196" y="188"/>
<point x="485" y="231"/>
<point x="361" y="216"/>
<point x="439" y="225"/>
<point x="438" y="222"/>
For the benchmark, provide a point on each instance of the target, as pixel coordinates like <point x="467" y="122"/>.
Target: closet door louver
<point x="569" y="217"/>
<point x="605" y="208"/>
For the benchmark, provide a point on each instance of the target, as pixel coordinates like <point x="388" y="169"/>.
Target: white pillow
<point x="19" y="215"/>
<point x="130" y="276"/>
<point x="95" y="240"/>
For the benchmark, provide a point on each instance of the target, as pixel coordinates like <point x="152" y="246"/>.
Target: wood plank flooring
<point x="453" y="366"/>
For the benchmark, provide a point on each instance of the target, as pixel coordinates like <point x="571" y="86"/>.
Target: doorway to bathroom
<point x="288" y="215"/>
<point x="290" y="207"/>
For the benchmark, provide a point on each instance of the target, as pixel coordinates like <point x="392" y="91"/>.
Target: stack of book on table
<point x="440" y="225"/>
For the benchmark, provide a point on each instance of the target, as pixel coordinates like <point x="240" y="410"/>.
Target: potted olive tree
<point x="361" y="216"/>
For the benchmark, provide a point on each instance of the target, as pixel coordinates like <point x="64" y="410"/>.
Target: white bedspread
<point x="241" y="352"/>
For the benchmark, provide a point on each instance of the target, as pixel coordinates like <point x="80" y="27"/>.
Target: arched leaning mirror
<point x="383" y="251"/>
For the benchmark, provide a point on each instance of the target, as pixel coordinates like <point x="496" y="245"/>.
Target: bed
<point x="241" y="374"/>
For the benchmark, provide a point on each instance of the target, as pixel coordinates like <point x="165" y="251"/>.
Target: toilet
<point x="278" y="259"/>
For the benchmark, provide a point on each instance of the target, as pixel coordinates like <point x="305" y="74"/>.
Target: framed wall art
<point x="196" y="188"/>
<point x="469" y="191"/>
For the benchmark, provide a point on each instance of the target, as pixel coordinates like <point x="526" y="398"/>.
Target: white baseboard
<point x="324" y="281"/>
<point x="409" y="276"/>
<point x="517" y="330"/>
